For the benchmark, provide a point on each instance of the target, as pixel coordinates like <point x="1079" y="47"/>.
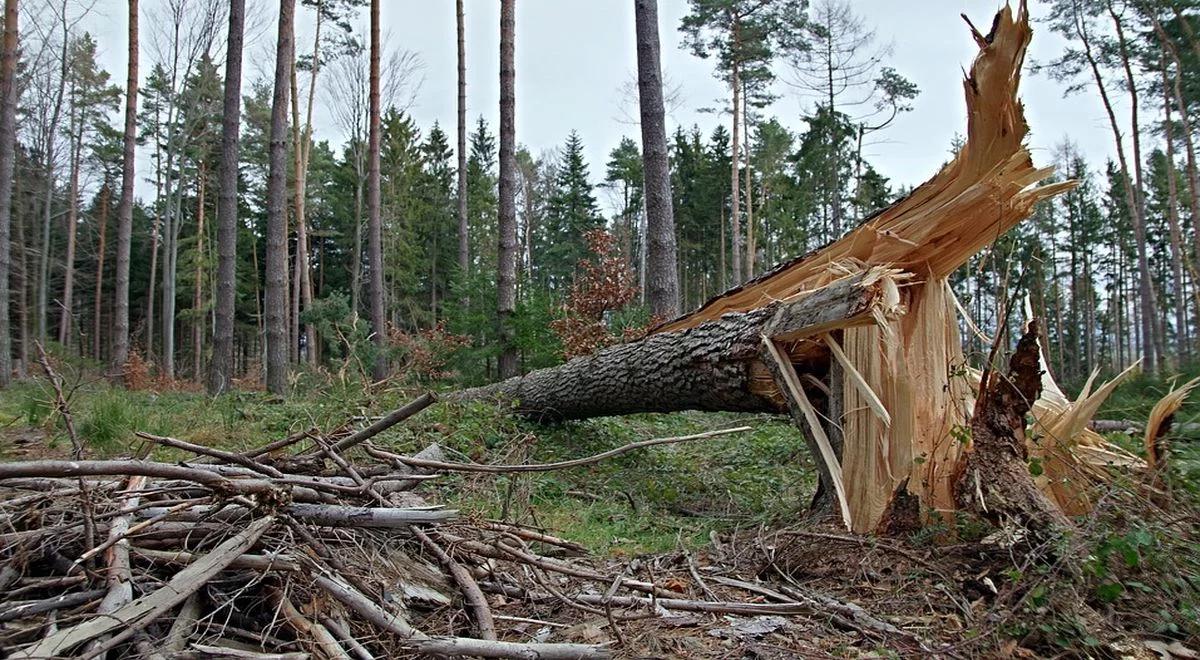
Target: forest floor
<point x="724" y="519"/>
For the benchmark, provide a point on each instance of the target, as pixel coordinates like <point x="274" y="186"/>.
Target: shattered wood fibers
<point x="914" y="364"/>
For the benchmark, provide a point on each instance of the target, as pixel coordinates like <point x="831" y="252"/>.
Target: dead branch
<point x="549" y="467"/>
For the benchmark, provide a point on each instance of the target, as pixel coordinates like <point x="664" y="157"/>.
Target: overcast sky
<point x="575" y="56"/>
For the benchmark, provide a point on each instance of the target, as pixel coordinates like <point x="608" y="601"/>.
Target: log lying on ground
<point x="714" y="366"/>
<point x="1134" y="427"/>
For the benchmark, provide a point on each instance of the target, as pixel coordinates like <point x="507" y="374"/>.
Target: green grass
<point x="106" y="417"/>
<point x="1134" y="400"/>
<point x="644" y="501"/>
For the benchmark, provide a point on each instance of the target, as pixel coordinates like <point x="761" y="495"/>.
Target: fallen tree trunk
<point x="1133" y="427"/>
<point x="715" y="366"/>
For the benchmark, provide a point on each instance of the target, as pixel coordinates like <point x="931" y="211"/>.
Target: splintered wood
<point x="907" y="394"/>
<point x="862" y="336"/>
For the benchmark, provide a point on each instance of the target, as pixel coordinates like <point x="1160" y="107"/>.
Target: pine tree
<point x="506" y="259"/>
<point x="89" y="100"/>
<point x="125" y="209"/>
<point x="660" y="273"/>
<point x="571" y="212"/>
<point x="221" y="367"/>
<point x="744" y="37"/>
<point x="8" y="139"/>
<point x="625" y="174"/>
<point x="276" y="290"/>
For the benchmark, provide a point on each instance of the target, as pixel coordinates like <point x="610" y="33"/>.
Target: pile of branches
<point x="281" y="551"/>
<point x="315" y="545"/>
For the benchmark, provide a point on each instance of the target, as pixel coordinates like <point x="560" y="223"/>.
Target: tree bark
<point x="374" y="221"/>
<point x="661" y="268"/>
<point x="715" y="366"/>
<point x="464" y="245"/>
<point x="751" y="240"/>
<point x="302" y="143"/>
<point x="1173" y="225"/>
<point x="506" y="277"/>
<point x="1193" y="176"/>
<point x="125" y="207"/>
<point x="170" y="269"/>
<point x="67" y="314"/>
<point x="276" y="256"/>
<point x="98" y="297"/>
<point x="220" y="372"/>
<point x="22" y="266"/>
<point x="156" y="226"/>
<point x="995" y="478"/>
<point x="198" y="279"/>
<point x="1151" y="319"/>
<point x="735" y="146"/>
<point x="8" y="139"/>
<point x="46" y="246"/>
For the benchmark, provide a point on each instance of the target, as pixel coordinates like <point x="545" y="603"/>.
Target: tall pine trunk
<point x="1151" y="329"/>
<point x="374" y="219"/>
<point x="464" y="245"/>
<point x="751" y="240"/>
<point x="302" y="144"/>
<point x="198" y="279"/>
<point x="125" y="208"/>
<point x="1177" y="255"/>
<point x="276" y="295"/>
<point x="21" y="265"/>
<point x="46" y="246"/>
<point x="170" y="270"/>
<point x="506" y="277"/>
<point x="220" y="371"/>
<point x="156" y="227"/>
<point x="1145" y="328"/>
<point x="98" y="296"/>
<point x="68" y="292"/>
<point x="1193" y="177"/>
<point x="661" y="267"/>
<point x="735" y="154"/>
<point x="8" y="140"/>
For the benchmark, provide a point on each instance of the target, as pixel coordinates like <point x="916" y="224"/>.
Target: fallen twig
<point x="561" y="465"/>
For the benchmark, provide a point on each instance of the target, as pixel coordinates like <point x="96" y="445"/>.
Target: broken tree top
<point x="859" y="340"/>
<point x="986" y="190"/>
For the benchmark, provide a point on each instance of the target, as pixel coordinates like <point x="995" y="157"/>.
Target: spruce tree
<point x="570" y="214"/>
